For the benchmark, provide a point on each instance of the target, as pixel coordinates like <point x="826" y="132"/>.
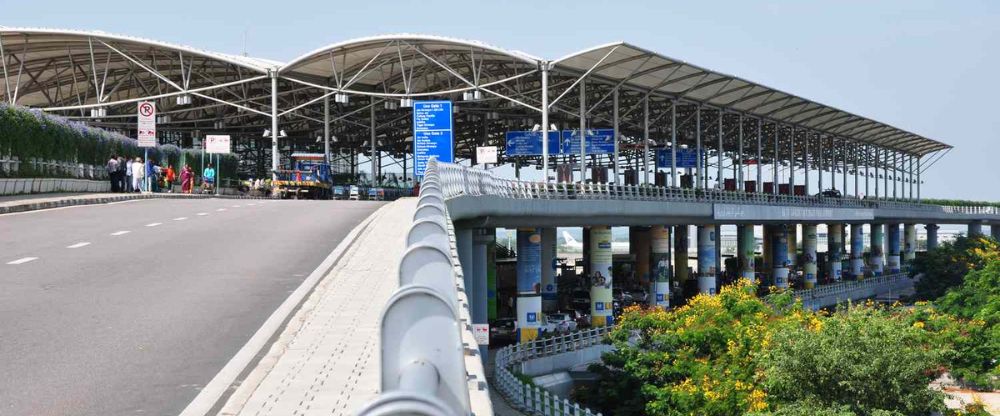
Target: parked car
<point x="830" y="193"/>
<point x="558" y="322"/>
<point x="355" y="193"/>
<point x="622" y="297"/>
<point x="581" y="316"/>
<point x="503" y="331"/>
<point x="639" y="296"/>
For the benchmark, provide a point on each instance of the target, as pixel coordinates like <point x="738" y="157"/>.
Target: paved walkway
<point x="326" y="360"/>
<point x="32" y="202"/>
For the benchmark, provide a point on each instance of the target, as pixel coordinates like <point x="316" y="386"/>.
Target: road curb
<point x="73" y="201"/>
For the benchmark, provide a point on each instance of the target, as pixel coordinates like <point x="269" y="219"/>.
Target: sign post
<point x="486" y="155"/>
<point x="432" y="134"/>
<point x="218" y="145"/>
<point x="146" y="133"/>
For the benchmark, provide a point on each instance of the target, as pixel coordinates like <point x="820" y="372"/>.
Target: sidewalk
<point x="326" y="360"/>
<point x="31" y="202"/>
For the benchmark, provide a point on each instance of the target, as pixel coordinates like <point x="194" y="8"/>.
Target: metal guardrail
<point x="885" y="282"/>
<point x="430" y="362"/>
<point x="530" y="398"/>
<point x="460" y="180"/>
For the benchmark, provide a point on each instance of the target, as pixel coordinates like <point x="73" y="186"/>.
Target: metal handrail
<point x="885" y="281"/>
<point x="531" y="398"/>
<point x="462" y="180"/>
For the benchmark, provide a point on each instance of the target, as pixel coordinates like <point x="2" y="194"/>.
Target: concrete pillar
<point x="892" y="241"/>
<point x="834" y="252"/>
<point x="767" y="248"/>
<point x="718" y="250"/>
<point x="909" y="243"/>
<point x="681" y="246"/>
<point x="932" y="236"/>
<point x="706" y="258"/>
<point x="995" y="231"/>
<point x="482" y="239"/>
<point x="660" y="259"/>
<point x="857" y="251"/>
<point x="793" y="246"/>
<point x="877" y="259"/>
<point x="529" y="278"/>
<point x="975" y="229"/>
<point x="745" y="243"/>
<point x="779" y="242"/>
<point x="550" y="290"/>
<point x="639" y="246"/>
<point x="601" y="306"/>
<point x="491" y="280"/>
<point x="809" y="244"/>
<point x="463" y="242"/>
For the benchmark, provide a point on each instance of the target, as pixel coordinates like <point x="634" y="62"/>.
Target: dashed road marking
<point x="80" y="244"/>
<point x="221" y="209"/>
<point x="153" y="224"/>
<point x="202" y="213"/>
<point x="23" y="260"/>
<point x="180" y="218"/>
<point x="116" y="233"/>
<point x="236" y="206"/>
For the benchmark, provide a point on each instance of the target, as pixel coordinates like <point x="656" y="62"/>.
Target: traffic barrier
<point x="429" y="357"/>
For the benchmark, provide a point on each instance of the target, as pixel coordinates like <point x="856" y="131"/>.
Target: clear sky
<point x="929" y="67"/>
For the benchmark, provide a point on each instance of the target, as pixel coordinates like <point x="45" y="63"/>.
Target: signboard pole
<point x="615" y="127"/>
<point x="545" y="121"/>
<point x="583" y="131"/>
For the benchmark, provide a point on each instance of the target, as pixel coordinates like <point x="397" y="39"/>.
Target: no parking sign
<point x="146" y="127"/>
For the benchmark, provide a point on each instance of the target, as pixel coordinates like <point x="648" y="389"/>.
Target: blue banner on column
<point x="432" y="134"/>
<point x="529" y="260"/>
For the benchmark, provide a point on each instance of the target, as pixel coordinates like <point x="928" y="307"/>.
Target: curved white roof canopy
<point x="632" y="66"/>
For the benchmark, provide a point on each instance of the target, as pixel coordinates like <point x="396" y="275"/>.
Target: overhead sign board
<point x="146" y="127"/>
<point x="565" y="142"/>
<point x="432" y="134"/>
<point x="217" y="144"/>
<point x="486" y="154"/>
<point x="686" y="158"/>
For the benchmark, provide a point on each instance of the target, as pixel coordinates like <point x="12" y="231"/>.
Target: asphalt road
<point x="130" y="308"/>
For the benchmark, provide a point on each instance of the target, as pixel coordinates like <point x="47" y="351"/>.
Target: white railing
<point x="459" y="180"/>
<point x="430" y="362"/>
<point x="530" y="398"/>
<point x="884" y="282"/>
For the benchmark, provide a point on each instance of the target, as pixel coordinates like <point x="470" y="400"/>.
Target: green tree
<point x="947" y="266"/>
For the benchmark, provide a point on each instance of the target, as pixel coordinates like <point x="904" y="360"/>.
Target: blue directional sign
<point x="686" y="158"/>
<point x="529" y="143"/>
<point x="432" y="134"/>
<point x="599" y="142"/>
<point x="566" y="142"/>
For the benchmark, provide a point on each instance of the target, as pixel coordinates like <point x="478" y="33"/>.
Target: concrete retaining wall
<point x="564" y="361"/>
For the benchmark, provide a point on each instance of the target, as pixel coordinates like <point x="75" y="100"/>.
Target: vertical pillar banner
<point x="857" y="251"/>
<point x="835" y="244"/>
<point x="550" y="301"/>
<point x="779" y="240"/>
<point x="909" y="242"/>
<point x="877" y="258"/>
<point x="892" y="259"/>
<point x="529" y="278"/>
<point x="932" y="236"/>
<point x="681" y="249"/>
<point x="601" y="303"/>
<point x="706" y="259"/>
<point x="660" y="259"/>
<point x="809" y="244"/>
<point x="793" y="245"/>
<point x="745" y="243"/>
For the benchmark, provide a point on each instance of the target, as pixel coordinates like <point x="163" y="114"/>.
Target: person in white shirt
<point x="138" y="175"/>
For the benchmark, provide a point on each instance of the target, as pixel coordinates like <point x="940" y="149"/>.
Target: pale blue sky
<point x="924" y="66"/>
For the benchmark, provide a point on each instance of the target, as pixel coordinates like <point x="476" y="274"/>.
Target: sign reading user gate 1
<point x="147" y="124"/>
<point x="432" y="134"/>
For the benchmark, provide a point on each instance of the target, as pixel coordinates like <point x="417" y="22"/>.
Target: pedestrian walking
<point x="209" y="178"/>
<point x="138" y="175"/>
<point x="113" y="172"/>
<point x="122" y="180"/>
<point x="187" y="179"/>
<point x="171" y="176"/>
<point x="129" y="178"/>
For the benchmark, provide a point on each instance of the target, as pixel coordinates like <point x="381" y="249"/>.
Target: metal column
<point x="791" y="165"/>
<point x="739" y="177"/>
<point x="697" y="172"/>
<point x="774" y="165"/>
<point x="760" y="155"/>
<point x="645" y="140"/>
<point x="583" y="131"/>
<point x="275" y="155"/>
<point x="614" y="121"/>
<point x="673" y="143"/>
<point x="545" y="121"/>
<point x="374" y="159"/>
<point x="718" y="159"/>
<point x="326" y="129"/>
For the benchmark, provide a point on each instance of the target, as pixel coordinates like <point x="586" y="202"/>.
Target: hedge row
<point x="33" y="135"/>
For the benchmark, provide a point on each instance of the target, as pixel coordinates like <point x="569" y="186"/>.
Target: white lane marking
<point x="202" y="213"/>
<point x="120" y="233"/>
<point x="236" y="206"/>
<point x="250" y="205"/>
<point x="153" y="224"/>
<point x="180" y="218"/>
<point x="221" y="209"/>
<point x="23" y="260"/>
<point x="80" y="244"/>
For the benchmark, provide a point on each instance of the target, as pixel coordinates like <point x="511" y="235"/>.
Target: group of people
<point x="137" y="176"/>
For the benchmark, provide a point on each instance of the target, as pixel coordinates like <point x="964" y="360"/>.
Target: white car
<point x="558" y="322"/>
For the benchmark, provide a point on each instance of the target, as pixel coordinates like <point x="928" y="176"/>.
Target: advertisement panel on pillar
<point x="706" y="259"/>
<point x="660" y="259"/>
<point x="601" y="301"/>
<point x="529" y="278"/>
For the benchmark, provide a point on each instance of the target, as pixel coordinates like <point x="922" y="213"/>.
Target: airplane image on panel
<point x="571" y="244"/>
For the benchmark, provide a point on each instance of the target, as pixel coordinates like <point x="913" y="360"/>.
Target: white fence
<point x="830" y="294"/>
<point x="17" y="186"/>
<point x="530" y="398"/>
